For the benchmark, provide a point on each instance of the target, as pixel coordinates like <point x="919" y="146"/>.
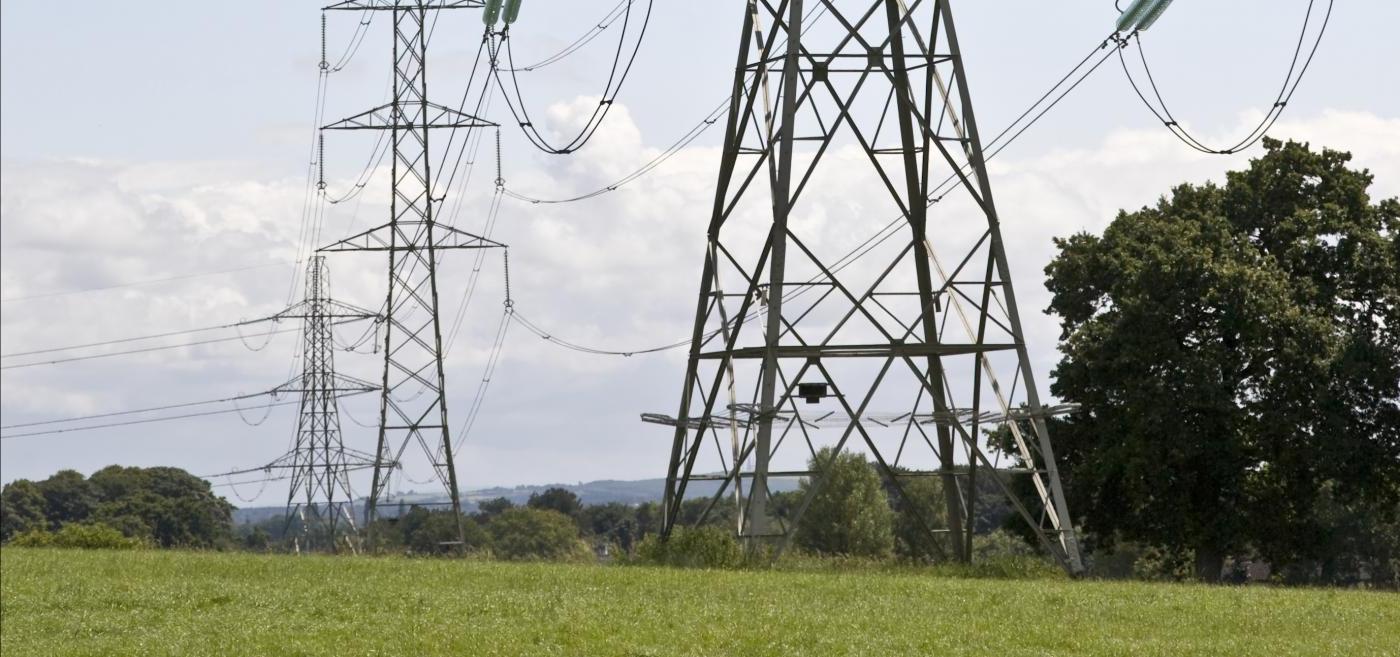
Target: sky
<point x="144" y="146"/>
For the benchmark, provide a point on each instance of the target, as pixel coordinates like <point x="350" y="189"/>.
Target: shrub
<point x="82" y="536"/>
<point x="424" y="532"/>
<point x="33" y="538"/>
<point x="1163" y="564"/>
<point x="1000" y="544"/>
<point x="94" y="536"/>
<point x="537" y="534"/>
<point x="700" y="547"/>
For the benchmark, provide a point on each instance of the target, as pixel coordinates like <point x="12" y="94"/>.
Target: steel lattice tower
<point x="413" y="404"/>
<point x="320" y="496"/>
<point x="879" y="85"/>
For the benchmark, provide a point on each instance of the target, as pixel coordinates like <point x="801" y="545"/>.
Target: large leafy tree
<point x="493" y="507"/>
<point x="167" y="505"/>
<point x="1235" y="353"/>
<point x="22" y="508"/>
<point x="68" y="497"/>
<point x="558" y="499"/>
<point x="435" y="532"/>
<point x="849" y="513"/>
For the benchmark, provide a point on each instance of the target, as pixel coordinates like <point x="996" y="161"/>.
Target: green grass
<point x="58" y="602"/>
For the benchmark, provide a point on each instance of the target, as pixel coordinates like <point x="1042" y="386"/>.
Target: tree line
<point x="165" y="507"/>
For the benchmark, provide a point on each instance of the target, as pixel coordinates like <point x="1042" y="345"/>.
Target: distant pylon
<point x="813" y="314"/>
<point x="413" y="402"/>
<point x="320" y="497"/>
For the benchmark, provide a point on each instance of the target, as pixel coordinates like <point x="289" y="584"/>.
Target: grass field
<point x="58" y="602"/>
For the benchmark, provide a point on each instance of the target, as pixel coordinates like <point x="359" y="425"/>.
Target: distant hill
<point x="593" y="492"/>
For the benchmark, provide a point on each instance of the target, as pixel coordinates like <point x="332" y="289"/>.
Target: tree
<point x="494" y="507"/>
<point x="921" y="507"/>
<point x="613" y="522"/>
<point x="257" y="540"/>
<point x="1230" y="351"/>
<point x="557" y="499"/>
<point x="849" y="513"/>
<point x="165" y="506"/>
<point x="722" y="514"/>
<point x="435" y="532"/>
<point x="527" y="534"/>
<point x="68" y="497"/>
<point x="22" y="508"/>
<point x="648" y="516"/>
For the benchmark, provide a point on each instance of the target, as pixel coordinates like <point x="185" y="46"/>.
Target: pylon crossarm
<point x="392" y="5"/>
<point x="382" y="238"/>
<point x="748" y="415"/>
<point x="400" y="116"/>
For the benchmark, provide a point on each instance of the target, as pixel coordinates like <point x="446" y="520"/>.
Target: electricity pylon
<point x="413" y="402"/>
<point x="320" y="497"/>
<point x="880" y="86"/>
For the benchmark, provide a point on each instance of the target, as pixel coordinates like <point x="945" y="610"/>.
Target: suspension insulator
<point x="512" y="10"/>
<point x="1153" y="14"/>
<point x="1132" y="14"/>
<point x="491" y="14"/>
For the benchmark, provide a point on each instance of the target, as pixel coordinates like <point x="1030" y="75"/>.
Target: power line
<point x="610" y="92"/>
<point x="135" y="411"/>
<point x="135" y="351"/>
<point x="670" y="151"/>
<point x="1285" y="94"/>
<point x="158" y="348"/>
<point x="478" y="400"/>
<point x="593" y="32"/>
<point x="131" y="422"/>
<point x="152" y="281"/>
<point x="547" y="336"/>
<point x="138" y="338"/>
<point x="356" y="39"/>
<point x="250" y="481"/>
<point x="883" y="234"/>
<point x="685" y="140"/>
<point x="167" y="418"/>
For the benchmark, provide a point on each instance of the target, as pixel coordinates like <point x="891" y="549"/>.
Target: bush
<point x="700" y="547"/>
<point x="33" y="538"/>
<point x="424" y="532"/>
<point x="257" y="540"/>
<point x="94" y="536"/>
<point x="1000" y="544"/>
<point x="1163" y="565"/>
<point x="82" y="536"/>
<point x="537" y="534"/>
